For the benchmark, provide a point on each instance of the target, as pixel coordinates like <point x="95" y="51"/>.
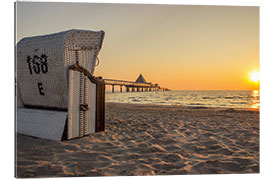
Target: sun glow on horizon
<point x="254" y="76"/>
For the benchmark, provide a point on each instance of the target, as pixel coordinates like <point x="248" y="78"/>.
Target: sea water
<point x="197" y="98"/>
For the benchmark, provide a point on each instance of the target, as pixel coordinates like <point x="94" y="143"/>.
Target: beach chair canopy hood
<point x="43" y="63"/>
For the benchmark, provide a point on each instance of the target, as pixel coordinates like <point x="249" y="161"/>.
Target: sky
<point x="177" y="46"/>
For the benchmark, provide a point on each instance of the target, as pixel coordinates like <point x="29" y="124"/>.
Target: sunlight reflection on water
<point x="255" y="99"/>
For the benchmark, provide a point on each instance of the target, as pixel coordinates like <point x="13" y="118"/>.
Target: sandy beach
<point x="150" y="140"/>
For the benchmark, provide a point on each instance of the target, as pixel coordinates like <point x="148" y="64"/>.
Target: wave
<point x="234" y="97"/>
<point x="239" y="103"/>
<point x="208" y="98"/>
<point x="196" y="104"/>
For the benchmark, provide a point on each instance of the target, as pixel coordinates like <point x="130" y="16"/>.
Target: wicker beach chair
<point x="58" y="97"/>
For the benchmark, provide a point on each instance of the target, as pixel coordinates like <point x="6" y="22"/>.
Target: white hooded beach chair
<point x="58" y="97"/>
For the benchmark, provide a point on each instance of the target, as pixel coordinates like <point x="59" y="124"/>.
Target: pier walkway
<point x="139" y="85"/>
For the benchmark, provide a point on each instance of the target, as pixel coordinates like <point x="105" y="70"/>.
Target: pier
<point x="139" y="85"/>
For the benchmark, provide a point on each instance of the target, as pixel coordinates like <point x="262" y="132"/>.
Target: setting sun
<point x="255" y="76"/>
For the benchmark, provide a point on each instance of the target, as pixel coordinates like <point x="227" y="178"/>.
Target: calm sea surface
<point x="213" y="98"/>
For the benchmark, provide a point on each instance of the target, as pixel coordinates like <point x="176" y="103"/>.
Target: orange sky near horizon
<point x="176" y="46"/>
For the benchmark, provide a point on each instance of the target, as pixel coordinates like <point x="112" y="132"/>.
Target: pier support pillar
<point x="138" y="89"/>
<point x="127" y="89"/>
<point x="133" y="89"/>
<point x="120" y="88"/>
<point x="113" y="88"/>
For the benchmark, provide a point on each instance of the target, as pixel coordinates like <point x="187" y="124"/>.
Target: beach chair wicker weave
<point x="55" y="101"/>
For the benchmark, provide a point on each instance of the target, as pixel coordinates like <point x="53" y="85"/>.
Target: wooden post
<point x="138" y="89"/>
<point x="133" y="89"/>
<point x="127" y="89"/>
<point x="100" y="109"/>
<point x="113" y="88"/>
<point x="120" y="88"/>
